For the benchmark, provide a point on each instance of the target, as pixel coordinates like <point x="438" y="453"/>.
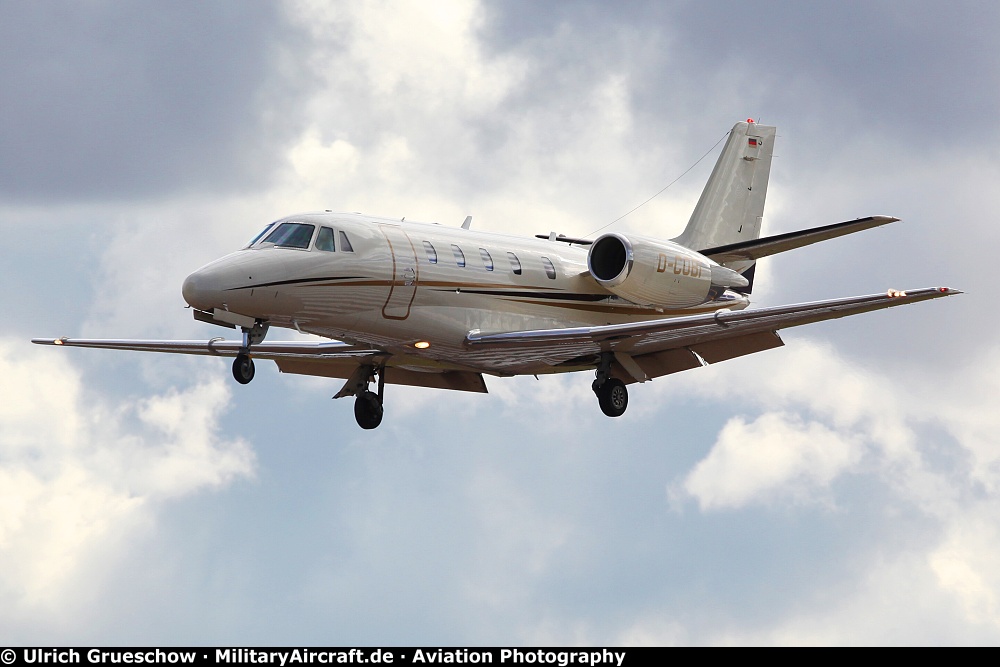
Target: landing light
<point x="421" y="345"/>
<point x="57" y="341"/>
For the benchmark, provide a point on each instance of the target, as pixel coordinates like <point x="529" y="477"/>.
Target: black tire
<point x="613" y="397"/>
<point x="243" y="369"/>
<point x="368" y="410"/>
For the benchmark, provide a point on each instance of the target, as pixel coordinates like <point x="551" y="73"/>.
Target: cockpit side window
<point x="291" y="235"/>
<point x="258" y="237"/>
<point x="324" y="240"/>
<point x="345" y="243"/>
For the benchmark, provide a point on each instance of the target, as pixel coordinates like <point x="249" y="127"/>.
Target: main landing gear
<point x="368" y="404"/>
<point x="368" y="410"/>
<point x="243" y="369"/>
<point x="612" y="395"/>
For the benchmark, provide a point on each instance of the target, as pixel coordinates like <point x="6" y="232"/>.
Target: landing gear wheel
<point x="243" y="369"/>
<point x="368" y="410"/>
<point x="613" y="397"/>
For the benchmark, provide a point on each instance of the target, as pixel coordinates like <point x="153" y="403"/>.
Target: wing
<point x="223" y="348"/>
<point x="642" y="350"/>
<point x="648" y="349"/>
<point x="326" y="359"/>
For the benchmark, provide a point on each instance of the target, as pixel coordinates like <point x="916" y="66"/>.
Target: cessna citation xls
<point x="431" y="306"/>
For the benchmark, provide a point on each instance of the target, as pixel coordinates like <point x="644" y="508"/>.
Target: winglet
<point x="468" y="222"/>
<point x="49" y="341"/>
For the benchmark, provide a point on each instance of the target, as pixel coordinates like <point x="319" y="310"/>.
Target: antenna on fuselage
<point x="468" y="222"/>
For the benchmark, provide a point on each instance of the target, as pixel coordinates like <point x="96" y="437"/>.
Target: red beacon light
<point x="749" y="120"/>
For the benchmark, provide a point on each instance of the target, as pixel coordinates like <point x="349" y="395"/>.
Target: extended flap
<point x="728" y="348"/>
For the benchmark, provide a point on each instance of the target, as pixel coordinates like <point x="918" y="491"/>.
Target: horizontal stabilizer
<point x="772" y="245"/>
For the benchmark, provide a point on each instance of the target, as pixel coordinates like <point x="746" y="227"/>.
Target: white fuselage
<point x="404" y="282"/>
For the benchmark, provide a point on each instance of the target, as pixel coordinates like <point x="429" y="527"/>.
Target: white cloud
<point x="409" y="51"/>
<point x="822" y="414"/>
<point x="78" y="472"/>
<point x="967" y="563"/>
<point x="887" y="421"/>
<point x="930" y="443"/>
<point x="412" y="115"/>
<point x="775" y="455"/>
<point x="417" y="118"/>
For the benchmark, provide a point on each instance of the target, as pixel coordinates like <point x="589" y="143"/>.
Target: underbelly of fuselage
<point x="441" y="320"/>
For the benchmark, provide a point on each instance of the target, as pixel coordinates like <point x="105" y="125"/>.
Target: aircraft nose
<point x="200" y="291"/>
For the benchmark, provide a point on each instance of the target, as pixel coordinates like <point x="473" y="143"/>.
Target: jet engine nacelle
<point x="652" y="272"/>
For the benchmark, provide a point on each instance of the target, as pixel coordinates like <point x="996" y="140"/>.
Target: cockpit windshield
<point x="258" y="237"/>
<point x="291" y="235"/>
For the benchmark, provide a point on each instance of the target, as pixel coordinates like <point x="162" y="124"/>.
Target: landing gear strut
<point x="367" y="404"/>
<point x="243" y="369"/>
<point x="612" y="395"/>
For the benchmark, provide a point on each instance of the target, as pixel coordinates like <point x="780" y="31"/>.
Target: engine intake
<point x="610" y="259"/>
<point x="652" y="272"/>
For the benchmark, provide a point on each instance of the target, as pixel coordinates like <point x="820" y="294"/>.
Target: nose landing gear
<point x="243" y="369"/>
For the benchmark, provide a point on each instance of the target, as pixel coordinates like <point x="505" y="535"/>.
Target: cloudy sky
<point x="844" y="489"/>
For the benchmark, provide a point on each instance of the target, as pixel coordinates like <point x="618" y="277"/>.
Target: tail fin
<point x="732" y="205"/>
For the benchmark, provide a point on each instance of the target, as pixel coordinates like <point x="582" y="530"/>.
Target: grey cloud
<point x="922" y="66"/>
<point x="123" y="100"/>
<point x="354" y="536"/>
<point x="396" y="539"/>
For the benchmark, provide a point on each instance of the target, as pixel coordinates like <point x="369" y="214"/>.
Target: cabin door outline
<point x="405" y="273"/>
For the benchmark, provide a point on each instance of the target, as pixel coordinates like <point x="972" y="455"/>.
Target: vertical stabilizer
<point x="732" y="205"/>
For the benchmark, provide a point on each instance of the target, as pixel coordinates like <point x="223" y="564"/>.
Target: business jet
<point x="429" y="305"/>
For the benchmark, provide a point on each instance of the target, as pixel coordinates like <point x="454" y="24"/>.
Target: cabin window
<point x="345" y="243"/>
<point x="459" y="255"/>
<point x="487" y="260"/>
<point x="550" y="269"/>
<point x="515" y="263"/>
<point x="324" y="240"/>
<point x="258" y="237"/>
<point x="291" y="235"/>
<point x="432" y="255"/>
